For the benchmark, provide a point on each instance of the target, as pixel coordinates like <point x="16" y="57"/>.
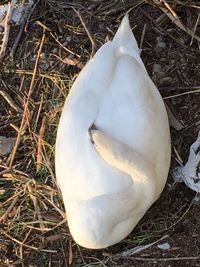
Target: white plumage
<point x="113" y="144"/>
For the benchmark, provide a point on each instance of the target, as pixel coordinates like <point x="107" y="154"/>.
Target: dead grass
<point x="51" y="53"/>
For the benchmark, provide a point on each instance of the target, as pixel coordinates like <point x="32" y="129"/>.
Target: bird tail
<point x="124" y="35"/>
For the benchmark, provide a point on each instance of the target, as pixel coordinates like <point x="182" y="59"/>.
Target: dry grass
<point x="53" y="49"/>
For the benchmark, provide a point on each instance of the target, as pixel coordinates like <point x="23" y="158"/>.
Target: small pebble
<point x="6" y="145"/>
<point x="55" y="50"/>
<point x="68" y="39"/>
<point x="196" y="200"/>
<point x="156" y="68"/>
<point x="166" y="81"/>
<point x="44" y="66"/>
<point x="51" y="63"/>
<point x="43" y="55"/>
<point x="164" y="246"/>
<point x="161" y="45"/>
<point x="65" y="43"/>
<point x="181" y="40"/>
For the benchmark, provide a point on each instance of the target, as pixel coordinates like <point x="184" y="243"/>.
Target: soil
<point x="172" y="58"/>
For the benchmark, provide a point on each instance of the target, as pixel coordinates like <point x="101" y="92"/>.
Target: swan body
<point x="113" y="144"/>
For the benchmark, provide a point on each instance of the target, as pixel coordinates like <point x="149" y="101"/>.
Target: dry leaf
<point x="173" y="121"/>
<point x="6" y="145"/>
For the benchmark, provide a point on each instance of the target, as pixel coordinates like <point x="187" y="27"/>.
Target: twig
<point x="187" y="3"/>
<point x="159" y="259"/>
<point x="89" y="33"/>
<point x="10" y="101"/>
<point x="33" y="191"/>
<point x="173" y="121"/>
<point x="139" y="248"/>
<point x="58" y="225"/>
<point x="24" y="240"/>
<point x="137" y="4"/>
<point x="22" y="26"/>
<point x="38" y="113"/>
<point x="178" y="157"/>
<point x="7" y="28"/>
<point x="185" y="93"/>
<point x="195" y="28"/>
<point x="70" y="61"/>
<point x="179" y="88"/>
<point x="142" y="37"/>
<point x="169" y="8"/>
<point x="48" y="164"/>
<point x="56" y="208"/>
<point x="27" y="246"/>
<point x="30" y="13"/>
<point x="40" y="143"/>
<point x="10" y="198"/>
<point x="5" y="215"/>
<point x="19" y="35"/>
<point x="81" y="254"/>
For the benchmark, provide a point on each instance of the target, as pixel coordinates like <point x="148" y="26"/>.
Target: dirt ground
<point x="53" y="49"/>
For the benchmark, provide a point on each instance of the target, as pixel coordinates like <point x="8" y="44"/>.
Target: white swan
<point x="113" y="144"/>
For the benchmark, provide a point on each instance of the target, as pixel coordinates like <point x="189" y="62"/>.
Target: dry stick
<point x="43" y="75"/>
<point x="30" y="13"/>
<point x="22" y="26"/>
<point x="159" y="259"/>
<point x="19" y="35"/>
<point x="27" y="246"/>
<point x="178" y="157"/>
<point x="58" y="225"/>
<point x="55" y="207"/>
<point x="37" y="228"/>
<point x="136" y="5"/>
<point x="10" y="101"/>
<point x="24" y="240"/>
<point x="5" y="215"/>
<point x="195" y="28"/>
<point x="48" y="164"/>
<point x="35" y="202"/>
<point x="187" y="4"/>
<point x="67" y="49"/>
<point x="140" y="248"/>
<point x="27" y="103"/>
<point x="40" y="143"/>
<point x="38" y="113"/>
<point x="7" y="28"/>
<point x="179" y="88"/>
<point x="173" y="121"/>
<point x="182" y="216"/>
<point x="185" y="93"/>
<point x="70" y="61"/>
<point x="175" y="19"/>
<point x="10" y="198"/>
<point x="169" y="8"/>
<point x="70" y="254"/>
<point x="142" y="37"/>
<point x="81" y="254"/>
<point x="90" y="35"/>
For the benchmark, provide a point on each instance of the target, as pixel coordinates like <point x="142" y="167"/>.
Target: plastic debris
<point x="190" y="173"/>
